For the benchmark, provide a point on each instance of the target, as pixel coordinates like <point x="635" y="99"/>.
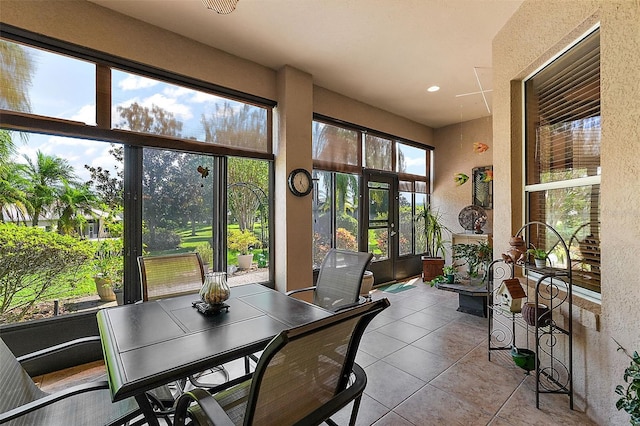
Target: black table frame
<point x="150" y="344"/>
<point x="471" y="299"/>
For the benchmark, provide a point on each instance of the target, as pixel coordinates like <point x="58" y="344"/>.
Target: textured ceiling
<point x="385" y="53"/>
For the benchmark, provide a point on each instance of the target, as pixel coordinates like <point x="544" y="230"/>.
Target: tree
<point x="109" y="189"/>
<point x="46" y="175"/>
<point x="72" y="204"/>
<point x="16" y="68"/>
<point x="13" y="201"/>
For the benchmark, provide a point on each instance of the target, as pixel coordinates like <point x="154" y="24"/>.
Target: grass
<point x="82" y="283"/>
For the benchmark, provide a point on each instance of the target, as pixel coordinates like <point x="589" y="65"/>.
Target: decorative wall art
<point x="482" y="178"/>
<point x="460" y="178"/>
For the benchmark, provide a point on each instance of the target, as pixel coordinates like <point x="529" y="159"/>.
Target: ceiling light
<point x="223" y="7"/>
<point x="433" y="89"/>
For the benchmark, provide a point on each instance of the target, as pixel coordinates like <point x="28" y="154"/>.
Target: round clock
<point x="300" y="182"/>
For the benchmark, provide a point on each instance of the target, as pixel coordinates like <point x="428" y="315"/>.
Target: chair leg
<point x="354" y="411"/>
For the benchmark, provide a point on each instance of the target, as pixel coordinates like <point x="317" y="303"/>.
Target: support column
<point x="293" y="215"/>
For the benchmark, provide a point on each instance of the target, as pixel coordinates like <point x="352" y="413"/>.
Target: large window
<point x="340" y="152"/>
<point x="563" y="156"/>
<point x="195" y="163"/>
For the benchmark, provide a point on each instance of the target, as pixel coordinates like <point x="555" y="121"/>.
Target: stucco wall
<point x="539" y="30"/>
<point x="454" y="154"/>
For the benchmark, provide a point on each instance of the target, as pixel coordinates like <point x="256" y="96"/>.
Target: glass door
<point x="380" y="233"/>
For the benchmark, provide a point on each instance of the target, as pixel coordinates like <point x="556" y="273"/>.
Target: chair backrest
<point x="340" y="278"/>
<point x="16" y="387"/>
<point x="303" y="368"/>
<point x="170" y="275"/>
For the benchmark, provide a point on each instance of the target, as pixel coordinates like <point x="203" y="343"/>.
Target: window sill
<point x="585" y="312"/>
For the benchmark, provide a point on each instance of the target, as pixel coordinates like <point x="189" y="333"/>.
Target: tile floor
<point x="427" y="364"/>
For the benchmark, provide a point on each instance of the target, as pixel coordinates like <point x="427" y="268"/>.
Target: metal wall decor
<point x="482" y="195"/>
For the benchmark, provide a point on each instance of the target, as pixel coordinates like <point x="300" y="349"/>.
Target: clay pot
<point x="529" y="314"/>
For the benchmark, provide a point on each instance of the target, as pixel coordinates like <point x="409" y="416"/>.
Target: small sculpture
<point x="516" y="254"/>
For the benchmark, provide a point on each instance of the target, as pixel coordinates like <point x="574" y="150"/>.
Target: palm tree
<point x="72" y="204"/>
<point x="47" y="176"/>
<point x="15" y="77"/>
<point x="13" y="199"/>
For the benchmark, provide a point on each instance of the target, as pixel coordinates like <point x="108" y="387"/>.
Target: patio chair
<point x="23" y="403"/>
<point x="168" y="276"/>
<point x="304" y="376"/>
<point x="339" y="279"/>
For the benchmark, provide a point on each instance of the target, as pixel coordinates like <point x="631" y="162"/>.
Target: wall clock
<point x="300" y="182"/>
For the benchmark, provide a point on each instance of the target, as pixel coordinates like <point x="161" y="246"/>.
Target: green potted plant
<point x="475" y="256"/>
<point x="434" y="233"/>
<point x="241" y="241"/>
<point x="630" y="395"/>
<point x="449" y="271"/>
<point x="539" y="256"/>
<point x="108" y="266"/>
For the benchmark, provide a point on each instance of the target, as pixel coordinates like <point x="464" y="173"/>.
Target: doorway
<point x="380" y="223"/>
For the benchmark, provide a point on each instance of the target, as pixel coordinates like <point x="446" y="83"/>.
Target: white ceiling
<point x="385" y="53"/>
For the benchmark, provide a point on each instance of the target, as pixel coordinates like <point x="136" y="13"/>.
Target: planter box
<point x="431" y="267"/>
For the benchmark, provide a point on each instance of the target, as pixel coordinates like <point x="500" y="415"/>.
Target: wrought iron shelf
<point x="550" y="344"/>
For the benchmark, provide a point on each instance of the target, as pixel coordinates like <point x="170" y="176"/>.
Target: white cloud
<point x="134" y="82"/>
<point x="86" y="114"/>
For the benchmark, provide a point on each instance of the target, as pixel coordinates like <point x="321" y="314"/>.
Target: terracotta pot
<point x="529" y="314"/>
<point x="105" y="289"/>
<point x="244" y="261"/>
<point x="367" y="283"/>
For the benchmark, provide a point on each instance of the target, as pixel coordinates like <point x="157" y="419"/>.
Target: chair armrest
<point x="207" y="403"/>
<point x="300" y="290"/>
<point x="341" y="400"/>
<point x="50" y="399"/>
<point x="57" y="348"/>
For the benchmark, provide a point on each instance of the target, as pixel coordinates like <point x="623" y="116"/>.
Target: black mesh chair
<point x="170" y="275"/>
<point x="339" y="279"/>
<point x="23" y="403"/>
<point x="303" y="377"/>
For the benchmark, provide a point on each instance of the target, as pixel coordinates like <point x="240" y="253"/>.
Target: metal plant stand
<point x="550" y="334"/>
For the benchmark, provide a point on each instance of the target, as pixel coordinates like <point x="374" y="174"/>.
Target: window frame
<point x="529" y="189"/>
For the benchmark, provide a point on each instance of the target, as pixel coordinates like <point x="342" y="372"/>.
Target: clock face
<point x="300" y="182"/>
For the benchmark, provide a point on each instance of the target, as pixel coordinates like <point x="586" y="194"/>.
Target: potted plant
<point x="108" y="266"/>
<point x="449" y="271"/>
<point x="630" y="395"/>
<point x="434" y="231"/>
<point x="475" y="256"/>
<point x="242" y="241"/>
<point x="539" y="256"/>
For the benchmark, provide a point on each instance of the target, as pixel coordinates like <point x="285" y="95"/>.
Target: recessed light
<point x="433" y="89"/>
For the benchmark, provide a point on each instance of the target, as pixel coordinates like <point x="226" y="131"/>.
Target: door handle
<point x="393" y="233"/>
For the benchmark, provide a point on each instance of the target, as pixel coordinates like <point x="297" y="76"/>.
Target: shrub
<point x="241" y="240"/>
<point x="36" y="264"/>
<point x="164" y="239"/>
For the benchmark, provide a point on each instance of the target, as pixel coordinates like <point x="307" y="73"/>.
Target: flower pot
<point x="451" y="278"/>
<point x="524" y="358"/>
<point x="540" y="263"/>
<point x="431" y="267"/>
<point x="529" y="314"/>
<point x="367" y="284"/>
<point x="104" y="289"/>
<point x="119" y="296"/>
<point x="244" y="261"/>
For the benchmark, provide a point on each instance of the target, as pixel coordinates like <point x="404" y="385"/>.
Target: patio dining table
<point x="153" y="343"/>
